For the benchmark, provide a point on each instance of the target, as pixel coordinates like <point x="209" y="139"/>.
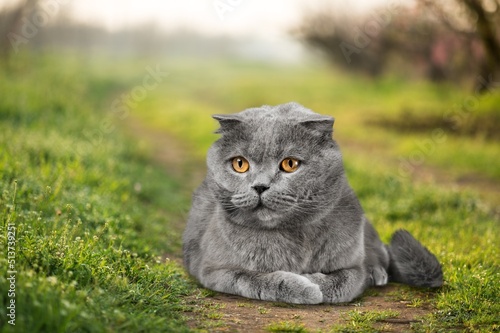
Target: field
<point x="98" y="159"/>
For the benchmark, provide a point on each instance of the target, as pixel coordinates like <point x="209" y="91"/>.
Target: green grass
<point x="95" y="218"/>
<point x="92" y="221"/>
<point x="358" y="321"/>
<point x="286" y="326"/>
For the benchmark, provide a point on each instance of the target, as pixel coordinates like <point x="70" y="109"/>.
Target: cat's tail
<point x="411" y="263"/>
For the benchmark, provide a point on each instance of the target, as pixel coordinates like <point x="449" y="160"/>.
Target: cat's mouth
<point x="261" y="206"/>
<point x="263" y="212"/>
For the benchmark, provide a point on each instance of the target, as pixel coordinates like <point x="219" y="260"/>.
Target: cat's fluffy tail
<point x="411" y="263"/>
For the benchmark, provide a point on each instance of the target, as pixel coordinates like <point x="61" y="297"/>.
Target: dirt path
<point x="395" y="307"/>
<point x="237" y="314"/>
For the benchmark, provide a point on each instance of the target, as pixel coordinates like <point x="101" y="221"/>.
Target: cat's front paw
<point x="294" y="288"/>
<point x="379" y="276"/>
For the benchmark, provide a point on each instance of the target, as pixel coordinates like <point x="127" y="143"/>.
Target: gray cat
<point x="275" y="219"/>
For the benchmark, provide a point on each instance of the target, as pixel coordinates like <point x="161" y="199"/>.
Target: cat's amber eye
<point x="240" y="164"/>
<point x="290" y="164"/>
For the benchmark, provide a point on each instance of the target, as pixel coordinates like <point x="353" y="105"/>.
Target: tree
<point x="480" y="18"/>
<point x="10" y="21"/>
<point x="451" y="40"/>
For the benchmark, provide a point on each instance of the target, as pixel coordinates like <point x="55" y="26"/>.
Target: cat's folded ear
<point x="319" y="125"/>
<point x="227" y="122"/>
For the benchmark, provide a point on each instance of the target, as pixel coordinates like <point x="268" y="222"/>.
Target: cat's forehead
<point x="274" y="126"/>
<point x="284" y="113"/>
<point x="272" y="131"/>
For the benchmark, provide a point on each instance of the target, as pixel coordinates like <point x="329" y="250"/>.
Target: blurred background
<point x="453" y="40"/>
<point x="414" y="81"/>
<point x="406" y="66"/>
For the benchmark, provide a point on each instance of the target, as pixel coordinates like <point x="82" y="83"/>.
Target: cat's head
<point x="275" y="166"/>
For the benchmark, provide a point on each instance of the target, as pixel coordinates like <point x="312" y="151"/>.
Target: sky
<point x="260" y="18"/>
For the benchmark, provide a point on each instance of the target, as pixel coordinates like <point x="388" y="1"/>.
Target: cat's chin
<point x="267" y="217"/>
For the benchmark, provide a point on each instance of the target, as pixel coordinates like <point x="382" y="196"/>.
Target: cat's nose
<point x="260" y="188"/>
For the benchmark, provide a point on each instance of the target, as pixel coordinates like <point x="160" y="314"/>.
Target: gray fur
<point x="411" y="263"/>
<point x="305" y="239"/>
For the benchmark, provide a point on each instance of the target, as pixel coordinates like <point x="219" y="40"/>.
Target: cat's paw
<point x="294" y="288"/>
<point x="379" y="276"/>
